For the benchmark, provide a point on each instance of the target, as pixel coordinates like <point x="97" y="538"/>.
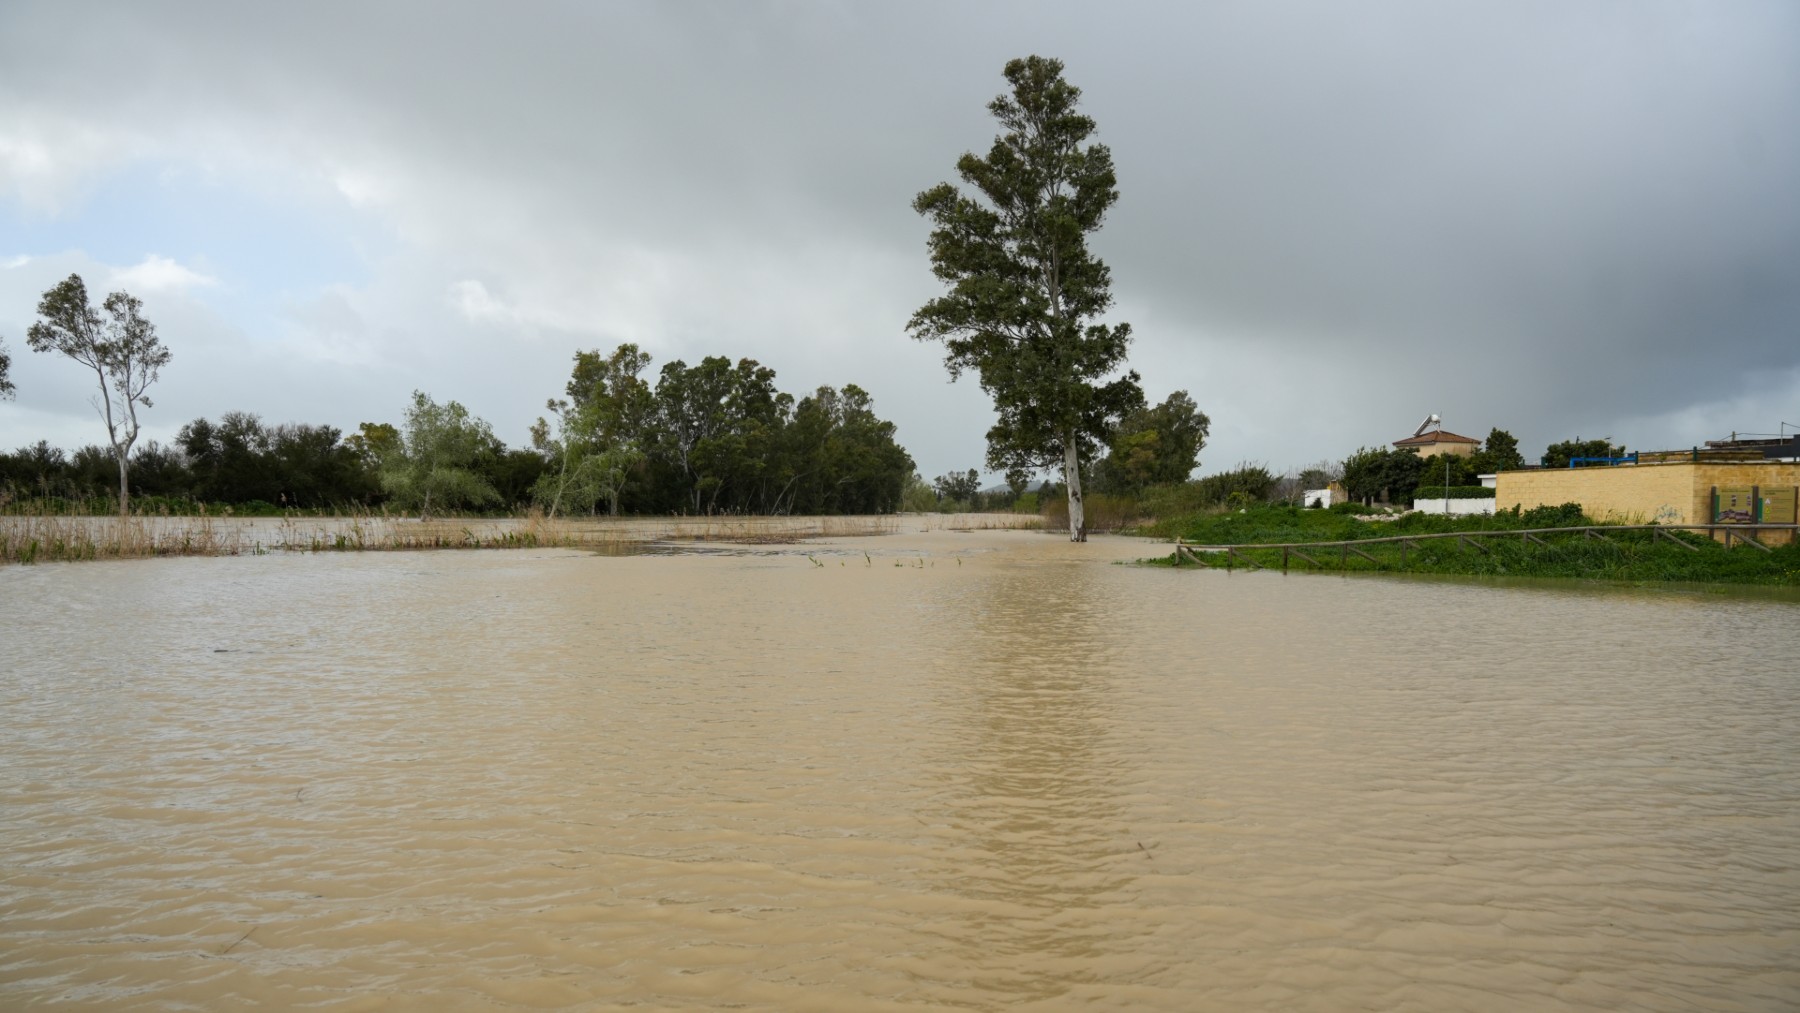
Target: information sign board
<point x="1734" y="504"/>
<point x="1778" y="505"/>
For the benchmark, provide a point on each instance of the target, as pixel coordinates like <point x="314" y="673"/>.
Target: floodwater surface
<point x="981" y="771"/>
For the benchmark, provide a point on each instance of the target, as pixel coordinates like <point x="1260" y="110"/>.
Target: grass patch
<point x="1623" y="555"/>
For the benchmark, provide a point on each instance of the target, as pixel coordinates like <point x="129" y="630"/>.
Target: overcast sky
<point x="1558" y="218"/>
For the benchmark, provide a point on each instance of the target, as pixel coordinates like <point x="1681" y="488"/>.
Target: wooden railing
<point x="1471" y="539"/>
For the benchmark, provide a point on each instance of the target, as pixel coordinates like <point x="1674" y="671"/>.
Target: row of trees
<point x="240" y="461"/>
<point x="1393" y="474"/>
<point x="1380" y="474"/>
<point x="716" y="437"/>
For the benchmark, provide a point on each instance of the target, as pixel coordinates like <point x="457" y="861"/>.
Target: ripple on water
<point x="545" y="779"/>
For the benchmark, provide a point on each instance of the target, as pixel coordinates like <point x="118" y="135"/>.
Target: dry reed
<point x="55" y="538"/>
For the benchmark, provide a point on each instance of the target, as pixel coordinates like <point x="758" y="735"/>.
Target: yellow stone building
<point x="1675" y="492"/>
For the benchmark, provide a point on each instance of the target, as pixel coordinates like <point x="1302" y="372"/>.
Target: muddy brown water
<point x="1004" y="773"/>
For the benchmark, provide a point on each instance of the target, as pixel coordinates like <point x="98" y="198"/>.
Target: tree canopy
<point x="1559" y="455"/>
<point x="959" y="487"/>
<point x="240" y="460"/>
<point x="435" y="460"/>
<point x="1499" y="453"/>
<point x="1154" y="446"/>
<point x="599" y="437"/>
<point x="1025" y="294"/>
<point x="713" y="437"/>
<point x="1383" y="473"/>
<point x="121" y="348"/>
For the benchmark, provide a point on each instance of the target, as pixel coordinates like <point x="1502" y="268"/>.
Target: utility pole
<point x="1446" y="456"/>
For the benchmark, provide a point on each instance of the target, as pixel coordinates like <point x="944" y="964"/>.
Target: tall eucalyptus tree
<point x="1026" y="295"/>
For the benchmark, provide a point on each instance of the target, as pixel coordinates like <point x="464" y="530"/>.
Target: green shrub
<point x="1174" y="498"/>
<point x="1567" y="515"/>
<point x="917" y="496"/>
<point x="1254" y="481"/>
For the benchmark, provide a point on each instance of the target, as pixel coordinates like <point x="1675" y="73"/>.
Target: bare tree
<point x="121" y="348"/>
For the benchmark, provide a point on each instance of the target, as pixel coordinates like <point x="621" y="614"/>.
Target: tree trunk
<point x="562" y="478"/>
<point x="1072" y="478"/>
<point x="124" y="489"/>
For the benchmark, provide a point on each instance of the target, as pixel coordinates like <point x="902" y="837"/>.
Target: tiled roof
<point x="1435" y="436"/>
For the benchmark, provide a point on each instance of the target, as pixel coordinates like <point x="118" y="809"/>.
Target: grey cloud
<point x="1548" y="217"/>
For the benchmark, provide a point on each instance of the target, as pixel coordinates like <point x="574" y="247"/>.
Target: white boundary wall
<point x="1455" y="506"/>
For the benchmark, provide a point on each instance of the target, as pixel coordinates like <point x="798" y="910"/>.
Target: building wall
<point x="1331" y="494"/>
<point x="1628" y="493"/>
<point x="1642" y="493"/>
<point x="1457" y="507"/>
<point x="1459" y="449"/>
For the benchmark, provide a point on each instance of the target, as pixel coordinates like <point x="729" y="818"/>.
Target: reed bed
<point x="1099" y="512"/>
<point x="34" y="539"/>
<point x="67" y="538"/>
<point x="986" y="522"/>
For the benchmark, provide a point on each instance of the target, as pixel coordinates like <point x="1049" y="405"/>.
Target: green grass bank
<point x="1622" y="555"/>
